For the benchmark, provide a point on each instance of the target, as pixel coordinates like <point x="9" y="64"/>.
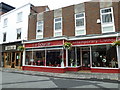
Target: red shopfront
<point x="50" y="56"/>
<point x="98" y="55"/>
<point x="47" y="56"/>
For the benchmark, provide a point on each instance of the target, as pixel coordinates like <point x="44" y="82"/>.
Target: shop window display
<point x="35" y="58"/>
<point x="104" y="56"/>
<point x="54" y="58"/>
<point x="74" y="57"/>
<point x="71" y="57"/>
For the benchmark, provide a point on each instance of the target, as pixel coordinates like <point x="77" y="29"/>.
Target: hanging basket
<point x="115" y="43"/>
<point x="20" y="48"/>
<point x="67" y="45"/>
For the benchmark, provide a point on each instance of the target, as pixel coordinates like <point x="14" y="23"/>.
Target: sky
<point x="52" y="4"/>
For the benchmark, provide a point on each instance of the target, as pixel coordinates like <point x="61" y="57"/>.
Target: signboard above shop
<point x="44" y="44"/>
<point x="11" y="47"/>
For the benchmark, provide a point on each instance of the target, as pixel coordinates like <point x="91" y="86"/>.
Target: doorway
<point x="13" y="60"/>
<point x="85" y="59"/>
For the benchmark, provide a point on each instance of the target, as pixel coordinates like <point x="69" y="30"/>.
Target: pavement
<point x="82" y="75"/>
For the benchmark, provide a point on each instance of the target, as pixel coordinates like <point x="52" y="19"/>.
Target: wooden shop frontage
<point x="12" y="57"/>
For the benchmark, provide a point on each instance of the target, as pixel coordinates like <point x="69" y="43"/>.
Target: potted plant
<point x="67" y="45"/>
<point x="115" y="43"/>
<point x="20" y="48"/>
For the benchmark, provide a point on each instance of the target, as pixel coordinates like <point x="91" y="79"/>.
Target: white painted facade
<point x="12" y="25"/>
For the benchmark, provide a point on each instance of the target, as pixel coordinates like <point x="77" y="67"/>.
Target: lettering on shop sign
<point x="40" y="44"/>
<point x="94" y="41"/>
<point x="12" y="47"/>
<point x="44" y="44"/>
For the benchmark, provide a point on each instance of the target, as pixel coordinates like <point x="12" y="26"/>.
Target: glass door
<point x="13" y="60"/>
<point x="7" y="60"/>
<point x="85" y="62"/>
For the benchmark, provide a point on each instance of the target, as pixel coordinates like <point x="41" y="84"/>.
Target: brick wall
<point x="48" y="24"/>
<point x="32" y="27"/>
<point x="116" y="14"/>
<point x="68" y="21"/>
<point x="92" y="13"/>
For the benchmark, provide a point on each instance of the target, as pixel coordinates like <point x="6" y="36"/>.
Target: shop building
<point x="4" y="8"/>
<point x="13" y="31"/>
<point x="90" y="27"/>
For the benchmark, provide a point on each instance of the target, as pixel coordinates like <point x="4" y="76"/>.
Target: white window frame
<point x="58" y="30"/>
<point x="80" y="28"/>
<point x="5" y="23"/>
<point x="39" y="33"/>
<point x="20" y="32"/>
<point x="19" y="17"/>
<point x="109" y="24"/>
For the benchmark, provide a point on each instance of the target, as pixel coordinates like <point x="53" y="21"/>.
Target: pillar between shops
<point x="118" y="55"/>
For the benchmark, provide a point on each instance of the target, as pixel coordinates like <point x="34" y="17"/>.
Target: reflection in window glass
<point x="104" y="56"/>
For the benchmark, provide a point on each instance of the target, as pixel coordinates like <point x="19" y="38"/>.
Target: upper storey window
<point x="5" y="22"/>
<point x="58" y="26"/>
<point x="19" y="17"/>
<point x="107" y="20"/>
<point x="80" y="24"/>
<point x="39" y="31"/>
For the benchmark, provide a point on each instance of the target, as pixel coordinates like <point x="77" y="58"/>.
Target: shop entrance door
<point x="18" y="60"/>
<point x="7" y="60"/>
<point x="13" y="60"/>
<point x="85" y="62"/>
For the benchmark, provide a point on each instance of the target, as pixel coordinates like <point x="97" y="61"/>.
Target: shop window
<point x="104" y="56"/>
<point x="71" y="57"/>
<point x="39" y="31"/>
<point x="80" y="24"/>
<point x="35" y="58"/>
<point x="19" y="33"/>
<point x="107" y="20"/>
<point x="58" y="27"/>
<point x="74" y="57"/>
<point x="54" y="58"/>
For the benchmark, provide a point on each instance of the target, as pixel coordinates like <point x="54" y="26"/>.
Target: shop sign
<point x="93" y="41"/>
<point x="12" y="47"/>
<point x="44" y="44"/>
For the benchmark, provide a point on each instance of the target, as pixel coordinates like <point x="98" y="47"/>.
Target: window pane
<point x="108" y="29"/>
<point x="4" y="37"/>
<point x="5" y="22"/>
<point x="79" y="15"/>
<point x="19" y="17"/>
<point x="19" y="33"/>
<point x="57" y="26"/>
<point x="54" y="58"/>
<point x="80" y="32"/>
<point x="39" y="36"/>
<point x="104" y="56"/>
<point x="106" y="10"/>
<point x="58" y="34"/>
<point x="71" y="57"/>
<point x="80" y="22"/>
<point x="57" y="19"/>
<point x="39" y="28"/>
<point x="107" y="18"/>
